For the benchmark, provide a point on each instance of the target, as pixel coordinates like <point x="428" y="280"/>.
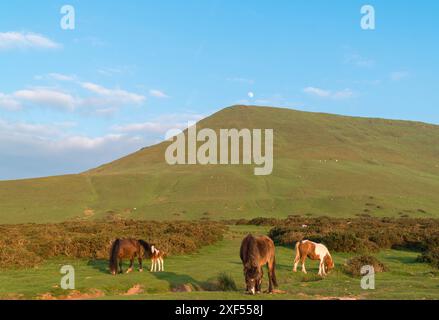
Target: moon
<point x="251" y="95"/>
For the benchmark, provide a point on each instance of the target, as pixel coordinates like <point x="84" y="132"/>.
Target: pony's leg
<point x="140" y="264"/>
<point x="323" y="268"/>
<point x="303" y="264"/>
<point x="270" y="277"/>
<point x="296" y="263"/>
<point x="120" y="265"/>
<point x="162" y="267"/>
<point x="320" y="268"/>
<point x="259" y="286"/>
<point x="130" y="269"/>
<point x="152" y="265"/>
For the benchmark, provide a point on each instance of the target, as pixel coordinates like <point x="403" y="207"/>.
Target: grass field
<point x="406" y="279"/>
<point x="323" y="165"/>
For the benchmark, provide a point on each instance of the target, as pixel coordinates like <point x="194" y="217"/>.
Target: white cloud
<point x="114" y="96"/>
<point x="322" y="93"/>
<point x="92" y="97"/>
<point x="160" y="125"/>
<point x="32" y="149"/>
<point x="47" y="97"/>
<point x="158" y="94"/>
<point x="22" y="40"/>
<point x="399" y="75"/>
<point x="317" y="92"/>
<point x="8" y="102"/>
<point x="358" y="60"/>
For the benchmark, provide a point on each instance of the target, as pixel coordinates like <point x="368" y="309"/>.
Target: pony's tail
<point x="113" y="256"/>
<point x="273" y="273"/>
<point x="146" y="246"/>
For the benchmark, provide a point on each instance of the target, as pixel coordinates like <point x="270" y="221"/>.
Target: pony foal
<point x="157" y="262"/>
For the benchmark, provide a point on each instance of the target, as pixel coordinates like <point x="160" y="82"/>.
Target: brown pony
<point x="314" y="251"/>
<point x="128" y="248"/>
<point x="255" y="253"/>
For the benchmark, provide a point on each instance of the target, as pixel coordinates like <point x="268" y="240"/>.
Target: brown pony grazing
<point x="255" y="253"/>
<point x="314" y="251"/>
<point x="127" y="248"/>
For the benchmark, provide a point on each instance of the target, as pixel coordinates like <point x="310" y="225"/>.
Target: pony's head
<point x="329" y="263"/>
<point x="253" y="278"/>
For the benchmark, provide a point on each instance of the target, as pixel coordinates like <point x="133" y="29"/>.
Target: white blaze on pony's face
<point x="253" y="279"/>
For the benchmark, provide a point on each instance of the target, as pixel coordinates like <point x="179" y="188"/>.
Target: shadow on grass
<point x="100" y="265"/>
<point x="403" y="260"/>
<point x="177" y="280"/>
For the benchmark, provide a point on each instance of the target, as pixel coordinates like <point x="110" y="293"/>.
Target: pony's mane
<point x="146" y="246"/>
<point x="252" y="251"/>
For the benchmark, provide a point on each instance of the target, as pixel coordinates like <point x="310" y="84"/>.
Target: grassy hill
<point x="323" y="165"/>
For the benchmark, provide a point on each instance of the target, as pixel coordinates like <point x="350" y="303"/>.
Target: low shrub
<point x="226" y="283"/>
<point x="430" y="256"/>
<point x="30" y="244"/>
<point x="359" y="234"/>
<point x="354" y="265"/>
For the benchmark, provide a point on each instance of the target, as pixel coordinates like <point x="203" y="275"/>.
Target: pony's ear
<point x="152" y="249"/>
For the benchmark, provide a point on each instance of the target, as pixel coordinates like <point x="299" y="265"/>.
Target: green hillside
<point x="323" y="165"/>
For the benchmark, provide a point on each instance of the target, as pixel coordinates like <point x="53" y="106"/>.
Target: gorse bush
<point x="354" y="265"/>
<point x="359" y="234"/>
<point x="30" y="244"/>
<point x="430" y="256"/>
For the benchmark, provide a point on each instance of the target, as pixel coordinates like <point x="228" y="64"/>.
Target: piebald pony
<point x="314" y="251"/>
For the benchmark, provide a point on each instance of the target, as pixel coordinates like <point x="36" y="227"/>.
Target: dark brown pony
<point x="128" y="248"/>
<point x="255" y="253"/>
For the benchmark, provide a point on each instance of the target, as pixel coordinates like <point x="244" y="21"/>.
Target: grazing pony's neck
<point x="253" y="252"/>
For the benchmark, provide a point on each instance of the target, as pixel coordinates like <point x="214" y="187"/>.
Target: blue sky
<point x="74" y="99"/>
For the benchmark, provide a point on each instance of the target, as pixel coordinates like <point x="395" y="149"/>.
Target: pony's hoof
<point x="140" y="270"/>
<point x="129" y="271"/>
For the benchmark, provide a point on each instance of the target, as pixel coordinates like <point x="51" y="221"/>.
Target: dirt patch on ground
<point x="12" y="296"/>
<point x="183" y="288"/>
<point x="73" y="295"/>
<point x="89" y="213"/>
<point x="348" y="298"/>
<point x="137" y="289"/>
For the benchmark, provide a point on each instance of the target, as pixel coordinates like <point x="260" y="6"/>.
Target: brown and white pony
<point x="314" y="251"/>
<point x="157" y="261"/>
<point x="255" y="253"/>
<point x="127" y="248"/>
